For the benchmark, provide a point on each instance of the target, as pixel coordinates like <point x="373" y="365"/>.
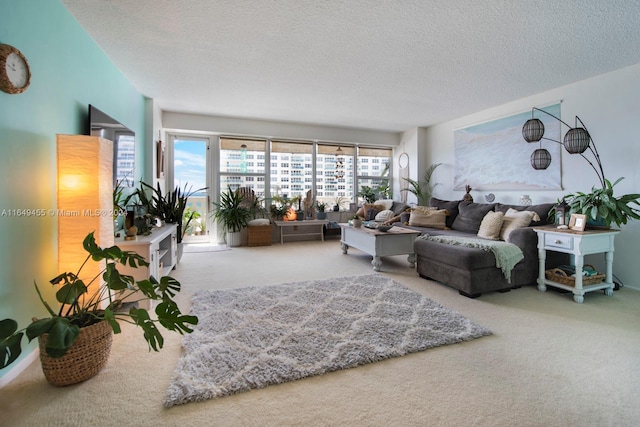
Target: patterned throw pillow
<point x="491" y="225"/>
<point x="432" y="218"/>
<point x="384" y="215"/>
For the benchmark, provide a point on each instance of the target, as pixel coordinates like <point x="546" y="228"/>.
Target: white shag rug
<point x="253" y="337"/>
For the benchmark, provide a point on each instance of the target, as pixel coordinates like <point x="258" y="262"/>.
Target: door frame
<point x="212" y="153"/>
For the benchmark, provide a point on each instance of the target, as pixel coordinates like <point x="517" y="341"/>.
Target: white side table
<point x="578" y="244"/>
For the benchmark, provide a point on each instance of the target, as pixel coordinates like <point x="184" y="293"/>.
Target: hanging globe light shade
<point x="533" y="130"/>
<point x="576" y="140"/>
<point x="540" y="159"/>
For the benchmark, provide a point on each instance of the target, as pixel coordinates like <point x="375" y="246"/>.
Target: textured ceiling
<point x="376" y="64"/>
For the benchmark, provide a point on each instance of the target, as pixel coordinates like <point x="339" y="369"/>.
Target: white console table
<point x="159" y="249"/>
<point x="310" y="223"/>
<point x="578" y="244"/>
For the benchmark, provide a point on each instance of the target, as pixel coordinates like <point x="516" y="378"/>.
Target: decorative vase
<point x="467" y="197"/>
<point x="336" y="208"/>
<point x="321" y="215"/>
<point x="299" y="216"/>
<point x="83" y="360"/>
<point x="357" y="223"/>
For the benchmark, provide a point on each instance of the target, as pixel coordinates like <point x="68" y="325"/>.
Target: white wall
<point x="609" y="106"/>
<point x="236" y="126"/>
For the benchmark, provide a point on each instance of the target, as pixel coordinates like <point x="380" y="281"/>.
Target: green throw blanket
<point x="507" y="254"/>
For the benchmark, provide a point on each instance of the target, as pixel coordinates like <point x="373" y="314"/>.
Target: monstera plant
<point x="97" y="301"/>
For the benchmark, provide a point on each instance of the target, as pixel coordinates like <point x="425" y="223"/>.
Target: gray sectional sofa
<point x="473" y="271"/>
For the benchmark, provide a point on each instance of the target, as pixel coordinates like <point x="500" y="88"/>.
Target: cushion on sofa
<point x="516" y="219"/>
<point x="449" y="206"/>
<point x="423" y="216"/>
<point x="491" y="225"/>
<point x="371" y="210"/>
<point x="470" y="216"/>
<point x="399" y="207"/>
<point x="387" y="203"/>
<point x="541" y="209"/>
<point x="384" y="215"/>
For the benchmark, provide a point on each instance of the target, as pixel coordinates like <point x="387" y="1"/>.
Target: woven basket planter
<point x="86" y="357"/>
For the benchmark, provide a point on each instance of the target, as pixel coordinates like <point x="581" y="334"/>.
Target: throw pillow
<point x="387" y="203"/>
<point x="434" y="218"/>
<point x="491" y="225"/>
<point x="514" y="219"/>
<point x="384" y="215"/>
<point x="450" y="206"/>
<point x="470" y="216"/>
<point x="371" y="210"/>
<point x="541" y="209"/>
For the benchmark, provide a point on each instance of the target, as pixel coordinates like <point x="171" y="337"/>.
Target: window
<point x="292" y="156"/>
<point x="235" y="168"/>
<point x="374" y="171"/>
<point x="330" y="171"/>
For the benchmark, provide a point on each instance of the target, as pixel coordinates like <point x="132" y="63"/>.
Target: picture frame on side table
<point x="577" y="222"/>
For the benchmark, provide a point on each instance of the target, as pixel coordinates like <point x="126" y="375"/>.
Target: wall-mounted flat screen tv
<point x="124" y="145"/>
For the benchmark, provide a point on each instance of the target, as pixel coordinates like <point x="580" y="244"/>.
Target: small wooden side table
<point x="577" y="244"/>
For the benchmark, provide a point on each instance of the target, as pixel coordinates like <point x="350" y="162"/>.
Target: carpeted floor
<point x="549" y="362"/>
<point x="193" y="248"/>
<point x="257" y="336"/>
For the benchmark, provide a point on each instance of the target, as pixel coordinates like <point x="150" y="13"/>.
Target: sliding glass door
<point x="192" y="172"/>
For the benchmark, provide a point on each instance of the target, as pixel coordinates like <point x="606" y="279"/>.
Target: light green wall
<point x="69" y="71"/>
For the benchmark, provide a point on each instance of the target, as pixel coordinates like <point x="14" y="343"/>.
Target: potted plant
<point x="233" y="214"/>
<point x="170" y="207"/>
<point x="423" y="190"/>
<point x="89" y="314"/>
<point x="338" y="203"/>
<point x="367" y="194"/>
<point x="356" y="221"/>
<point x="299" y="212"/>
<point x="602" y="208"/>
<point x="279" y="207"/>
<point x="321" y="208"/>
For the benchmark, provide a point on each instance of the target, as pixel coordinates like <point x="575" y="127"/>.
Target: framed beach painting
<point x="494" y="155"/>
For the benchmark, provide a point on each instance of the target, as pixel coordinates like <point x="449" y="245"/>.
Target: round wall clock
<point x="15" y="75"/>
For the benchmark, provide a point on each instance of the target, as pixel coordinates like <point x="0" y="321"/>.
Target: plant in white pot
<point x="76" y="339"/>
<point x="233" y="214"/>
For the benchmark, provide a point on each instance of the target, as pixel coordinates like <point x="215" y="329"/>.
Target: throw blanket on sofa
<point x="507" y="254"/>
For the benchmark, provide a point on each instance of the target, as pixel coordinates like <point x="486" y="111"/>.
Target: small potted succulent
<point x="321" y="207"/>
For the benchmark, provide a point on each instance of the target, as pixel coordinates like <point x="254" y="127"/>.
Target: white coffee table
<point x="397" y="241"/>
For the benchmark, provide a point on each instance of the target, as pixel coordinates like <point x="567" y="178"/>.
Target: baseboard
<point x="18" y="368"/>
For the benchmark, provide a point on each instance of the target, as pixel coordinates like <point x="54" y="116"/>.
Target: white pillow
<point x="387" y="203"/>
<point x="384" y="215"/>
<point x="491" y="225"/>
<point x="516" y="219"/>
